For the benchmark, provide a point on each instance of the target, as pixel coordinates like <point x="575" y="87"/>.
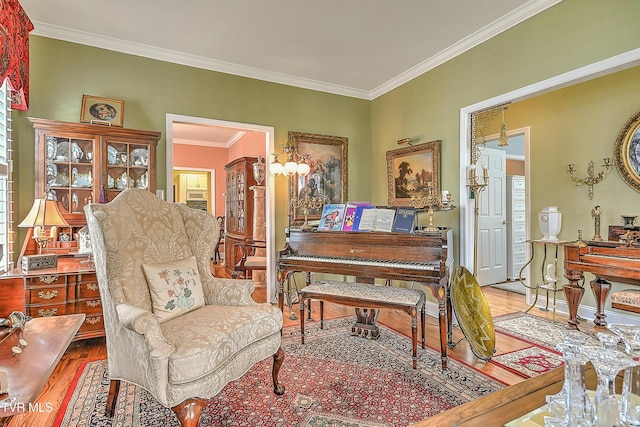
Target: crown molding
<point x="510" y="20"/>
<point x="109" y="43"/>
<point x="215" y="144"/>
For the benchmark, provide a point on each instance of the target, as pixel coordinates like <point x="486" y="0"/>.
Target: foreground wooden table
<point x="505" y="405"/>
<point x="47" y="340"/>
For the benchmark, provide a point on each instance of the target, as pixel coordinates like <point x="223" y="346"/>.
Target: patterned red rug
<point x="335" y="379"/>
<point x="543" y="335"/>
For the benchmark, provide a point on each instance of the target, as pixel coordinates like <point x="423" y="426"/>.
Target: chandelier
<point x="295" y="163"/>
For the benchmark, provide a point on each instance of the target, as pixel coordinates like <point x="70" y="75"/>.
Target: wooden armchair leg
<point x="112" y="397"/>
<point x="188" y="412"/>
<point x="278" y="358"/>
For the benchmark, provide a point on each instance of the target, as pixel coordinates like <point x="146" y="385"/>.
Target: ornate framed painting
<point x="327" y="156"/>
<point x="627" y="152"/>
<point x="102" y="111"/>
<point x="413" y="171"/>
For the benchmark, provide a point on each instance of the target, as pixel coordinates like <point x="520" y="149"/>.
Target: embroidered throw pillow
<point x="175" y="287"/>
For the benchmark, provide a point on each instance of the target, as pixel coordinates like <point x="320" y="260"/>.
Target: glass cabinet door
<point x="69" y="172"/>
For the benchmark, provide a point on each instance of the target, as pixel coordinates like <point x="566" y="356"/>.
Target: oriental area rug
<point x="542" y="334"/>
<point x="334" y="379"/>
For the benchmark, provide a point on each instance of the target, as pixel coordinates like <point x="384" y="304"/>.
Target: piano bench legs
<point x="355" y="295"/>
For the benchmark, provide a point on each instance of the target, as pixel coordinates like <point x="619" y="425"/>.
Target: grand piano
<point x="613" y="260"/>
<point x="425" y="258"/>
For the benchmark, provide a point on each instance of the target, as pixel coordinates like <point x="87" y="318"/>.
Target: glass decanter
<point x="630" y="401"/>
<point x="572" y="406"/>
<point x="607" y="364"/>
<point x="571" y="337"/>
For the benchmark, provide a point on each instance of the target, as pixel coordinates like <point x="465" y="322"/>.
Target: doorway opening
<point x="503" y="229"/>
<point x="184" y="130"/>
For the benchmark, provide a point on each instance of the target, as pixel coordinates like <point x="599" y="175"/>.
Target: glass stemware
<point x="630" y="410"/>
<point x="607" y="364"/>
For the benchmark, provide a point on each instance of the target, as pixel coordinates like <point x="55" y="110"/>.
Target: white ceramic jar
<point x="550" y="221"/>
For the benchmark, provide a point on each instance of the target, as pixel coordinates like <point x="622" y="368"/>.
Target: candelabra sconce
<point x="592" y="178"/>
<point x="433" y="203"/>
<point x="306" y="203"/>
<point x="477" y="185"/>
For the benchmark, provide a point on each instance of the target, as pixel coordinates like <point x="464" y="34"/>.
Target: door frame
<point x="591" y="71"/>
<point x="268" y="132"/>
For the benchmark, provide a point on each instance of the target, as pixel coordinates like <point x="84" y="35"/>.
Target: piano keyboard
<point x="365" y="262"/>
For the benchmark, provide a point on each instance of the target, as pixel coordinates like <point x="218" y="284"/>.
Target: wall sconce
<point x="296" y="163"/>
<point x="44" y="213"/>
<point x="591" y="179"/>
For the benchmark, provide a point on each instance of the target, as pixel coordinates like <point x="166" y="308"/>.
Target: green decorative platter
<point x="473" y="314"/>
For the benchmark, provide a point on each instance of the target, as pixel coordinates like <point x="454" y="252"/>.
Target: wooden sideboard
<point x="71" y="288"/>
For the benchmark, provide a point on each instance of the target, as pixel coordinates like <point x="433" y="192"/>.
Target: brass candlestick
<point x="477" y="185"/>
<point x="306" y="204"/>
<point x="432" y="202"/>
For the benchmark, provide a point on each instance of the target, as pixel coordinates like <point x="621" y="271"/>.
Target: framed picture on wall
<point x="627" y="152"/>
<point x="413" y="171"/>
<point x="103" y="111"/>
<point x="327" y="156"/>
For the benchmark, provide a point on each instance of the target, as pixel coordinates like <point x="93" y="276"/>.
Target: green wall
<point x="570" y="35"/>
<point x="62" y="72"/>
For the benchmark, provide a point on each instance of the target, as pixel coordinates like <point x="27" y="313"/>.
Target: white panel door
<point x="492" y="230"/>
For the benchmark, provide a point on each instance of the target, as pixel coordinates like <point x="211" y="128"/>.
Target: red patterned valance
<point x="14" y="62"/>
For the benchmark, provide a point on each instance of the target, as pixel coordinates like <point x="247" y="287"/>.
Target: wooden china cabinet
<point x="238" y="208"/>
<point x="74" y="162"/>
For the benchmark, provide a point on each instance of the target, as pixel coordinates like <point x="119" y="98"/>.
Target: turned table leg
<point x="600" y="288"/>
<point x="573" y="293"/>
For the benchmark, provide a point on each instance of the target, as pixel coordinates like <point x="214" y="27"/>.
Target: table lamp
<point x="44" y="213"/>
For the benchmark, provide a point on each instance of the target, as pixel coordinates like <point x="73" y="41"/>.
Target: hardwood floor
<point x="500" y="302"/>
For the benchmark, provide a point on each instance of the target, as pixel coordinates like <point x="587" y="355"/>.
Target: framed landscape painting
<point x="327" y="156"/>
<point x="413" y="171"/>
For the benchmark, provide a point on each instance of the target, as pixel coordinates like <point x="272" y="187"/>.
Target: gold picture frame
<point x="104" y="111"/>
<point x="327" y="156"/>
<point x="413" y="171"/>
<point x="627" y="152"/>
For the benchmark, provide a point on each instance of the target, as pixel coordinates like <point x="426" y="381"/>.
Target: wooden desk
<point x="28" y="372"/>
<point x="505" y="405"/>
<point x="70" y="288"/>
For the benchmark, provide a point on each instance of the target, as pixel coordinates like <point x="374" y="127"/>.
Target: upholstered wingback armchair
<point x="171" y="327"/>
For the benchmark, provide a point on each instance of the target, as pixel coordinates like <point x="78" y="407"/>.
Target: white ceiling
<point x="358" y="48"/>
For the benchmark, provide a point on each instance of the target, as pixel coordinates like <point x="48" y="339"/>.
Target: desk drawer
<point x="47" y="294"/>
<point x="93" y="322"/>
<point x="87" y="286"/>
<point x="93" y="305"/>
<point x="47" y="310"/>
<point x="57" y="279"/>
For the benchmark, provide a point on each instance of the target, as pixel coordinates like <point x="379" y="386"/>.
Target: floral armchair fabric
<point x="187" y="359"/>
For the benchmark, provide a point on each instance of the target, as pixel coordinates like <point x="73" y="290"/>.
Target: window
<point x="6" y="185"/>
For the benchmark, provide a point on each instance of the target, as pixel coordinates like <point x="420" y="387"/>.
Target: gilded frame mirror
<point x="627" y="152"/>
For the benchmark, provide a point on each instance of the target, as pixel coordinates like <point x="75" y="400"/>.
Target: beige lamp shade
<point x="43" y="213"/>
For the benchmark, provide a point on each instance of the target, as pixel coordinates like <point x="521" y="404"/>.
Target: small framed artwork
<point x="102" y="111"/>
<point x="327" y="156"/>
<point x="627" y="152"/>
<point x="413" y="172"/>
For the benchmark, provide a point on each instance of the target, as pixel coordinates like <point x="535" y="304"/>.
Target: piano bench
<point x="366" y="297"/>
<point x="628" y="299"/>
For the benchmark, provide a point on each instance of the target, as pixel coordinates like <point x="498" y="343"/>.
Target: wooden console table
<point x="47" y="340"/>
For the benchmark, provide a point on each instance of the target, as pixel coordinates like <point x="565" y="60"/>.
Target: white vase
<point x="550" y="221"/>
